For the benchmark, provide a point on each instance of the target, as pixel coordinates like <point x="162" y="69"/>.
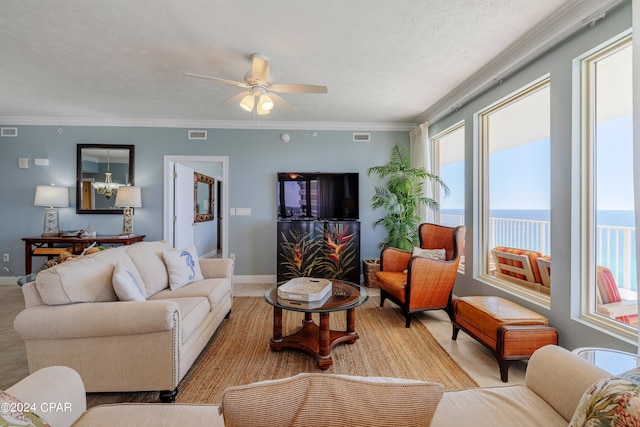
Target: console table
<point x="51" y="246"/>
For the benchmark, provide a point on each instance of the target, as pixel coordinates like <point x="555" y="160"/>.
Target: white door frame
<point x="167" y="216"/>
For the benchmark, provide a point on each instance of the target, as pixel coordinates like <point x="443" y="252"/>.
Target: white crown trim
<point x="206" y="124"/>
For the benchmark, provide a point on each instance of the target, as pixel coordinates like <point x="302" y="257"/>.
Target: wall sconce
<point x="128" y="197"/>
<point x="52" y="198"/>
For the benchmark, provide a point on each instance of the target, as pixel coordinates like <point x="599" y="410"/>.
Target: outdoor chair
<point x="519" y="266"/>
<point x="609" y="302"/>
<point x="416" y="282"/>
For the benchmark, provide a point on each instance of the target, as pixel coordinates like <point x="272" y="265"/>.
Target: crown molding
<point x="206" y="124"/>
<point x="576" y="15"/>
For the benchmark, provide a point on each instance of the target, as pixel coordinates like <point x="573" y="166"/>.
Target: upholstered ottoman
<point x="509" y="330"/>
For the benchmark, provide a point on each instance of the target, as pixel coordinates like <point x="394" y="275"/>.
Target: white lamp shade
<point x="266" y="103"/>
<point x="247" y="102"/>
<point x="51" y="196"/>
<point x="128" y="197"/>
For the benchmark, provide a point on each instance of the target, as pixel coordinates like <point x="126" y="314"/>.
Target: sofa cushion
<point x="612" y="401"/>
<point x="14" y="412"/>
<point x="213" y="289"/>
<point x="84" y="279"/>
<point x="126" y="285"/>
<point x="496" y="406"/>
<point x="193" y="311"/>
<point x="313" y="399"/>
<point x="183" y="267"/>
<point x="147" y="256"/>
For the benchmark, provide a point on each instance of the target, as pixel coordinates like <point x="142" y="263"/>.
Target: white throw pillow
<point x="438" y="254"/>
<point x="125" y="285"/>
<point x="183" y="267"/>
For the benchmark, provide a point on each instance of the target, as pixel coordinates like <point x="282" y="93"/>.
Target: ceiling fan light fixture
<point x="261" y="111"/>
<point x="248" y="103"/>
<point x="265" y="102"/>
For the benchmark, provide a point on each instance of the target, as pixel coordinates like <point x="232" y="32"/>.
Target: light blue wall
<point x="565" y="250"/>
<point x="254" y="158"/>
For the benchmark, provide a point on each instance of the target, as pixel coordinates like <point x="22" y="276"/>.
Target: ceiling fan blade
<point x="260" y="68"/>
<point x="297" y="88"/>
<point x="280" y="103"/>
<point x="217" y="79"/>
<point x="236" y="98"/>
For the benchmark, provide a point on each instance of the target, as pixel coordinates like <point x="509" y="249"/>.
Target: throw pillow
<point x="610" y="401"/>
<point x="183" y="267"/>
<point x="437" y="254"/>
<point x="13" y="412"/>
<point x="125" y="285"/>
<point x="320" y="400"/>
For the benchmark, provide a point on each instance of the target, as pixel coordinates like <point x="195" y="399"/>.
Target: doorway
<point x="169" y="212"/>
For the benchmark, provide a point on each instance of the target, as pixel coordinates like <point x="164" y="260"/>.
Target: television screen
<point x="317" y="195"/>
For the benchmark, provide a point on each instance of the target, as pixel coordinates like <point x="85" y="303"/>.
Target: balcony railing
<point x="615" y="246"/>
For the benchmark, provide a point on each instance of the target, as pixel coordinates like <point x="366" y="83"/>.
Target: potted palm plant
<point x="401" y="196"/>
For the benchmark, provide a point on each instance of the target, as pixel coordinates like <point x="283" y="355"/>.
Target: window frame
<point x="435" y="166"/>
<point x="481" y="198"/>
<point x="584" y="74"/>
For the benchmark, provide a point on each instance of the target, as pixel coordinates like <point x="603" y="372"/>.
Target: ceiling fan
<point x="260" y="95"/>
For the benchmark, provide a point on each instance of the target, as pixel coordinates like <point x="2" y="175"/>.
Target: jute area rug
<point x="239" y="352"/>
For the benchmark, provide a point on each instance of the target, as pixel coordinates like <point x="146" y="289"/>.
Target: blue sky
<point x="520" y="176"/>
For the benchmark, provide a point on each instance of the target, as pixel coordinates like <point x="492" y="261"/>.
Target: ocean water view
<point x="529" y="229"/>
<point x="604" y="217"/>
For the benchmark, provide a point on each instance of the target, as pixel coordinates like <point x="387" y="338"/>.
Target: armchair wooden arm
<point x="618" y="309"/>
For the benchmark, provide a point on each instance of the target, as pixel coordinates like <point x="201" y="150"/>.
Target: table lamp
<point x="52" y="198"/>
<point x="128" y="197"/>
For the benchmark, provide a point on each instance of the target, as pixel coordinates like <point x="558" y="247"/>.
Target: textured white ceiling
<point x="382" y="61"/>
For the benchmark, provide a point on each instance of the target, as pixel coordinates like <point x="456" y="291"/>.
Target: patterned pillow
<point x="13" y="412"/>
<point x="437" y="254"/>
<point x="612" y="401"/>
<point x="183" y="267"/>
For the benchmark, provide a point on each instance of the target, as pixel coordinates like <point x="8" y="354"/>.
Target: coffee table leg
<point x="324" y="348"/>
<point x="351" y="321"/>
<point x="307" y="318"/>
<point x="277" y="324"/>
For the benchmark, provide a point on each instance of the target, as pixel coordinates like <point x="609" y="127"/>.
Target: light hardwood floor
<point x="474" y="358"/>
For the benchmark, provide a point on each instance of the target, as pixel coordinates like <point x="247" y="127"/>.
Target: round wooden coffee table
<point x="317" y="340"/>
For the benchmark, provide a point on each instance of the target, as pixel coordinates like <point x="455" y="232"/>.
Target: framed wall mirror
<point x="203" y="194"/>
<point x="101" y="169"/>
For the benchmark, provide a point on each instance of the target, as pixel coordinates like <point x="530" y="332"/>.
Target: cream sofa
<point x="73" y="318"/>
<point x="555" y="382"/>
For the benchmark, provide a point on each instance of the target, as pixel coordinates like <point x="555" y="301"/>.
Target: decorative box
<point x="305" y="289"/>
<point x="305" y="305"/>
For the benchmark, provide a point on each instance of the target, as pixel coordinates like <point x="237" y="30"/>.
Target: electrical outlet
<point x="5" y="257"/>
<point x="232" y="256"/>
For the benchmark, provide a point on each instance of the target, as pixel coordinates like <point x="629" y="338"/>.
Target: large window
<point x="514" y="191"/>
<point x="448" y="149"/>
<point x="609" y="263"/>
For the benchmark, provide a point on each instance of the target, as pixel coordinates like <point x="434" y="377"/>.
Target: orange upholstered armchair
<point x="417" y="282"/>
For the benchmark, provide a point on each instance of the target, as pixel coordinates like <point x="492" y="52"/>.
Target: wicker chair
<point x="417" y="283"/>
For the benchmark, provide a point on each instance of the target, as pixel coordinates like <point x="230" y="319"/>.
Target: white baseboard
<point x="261" y="278"/>
<point x="8" y="280"/>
